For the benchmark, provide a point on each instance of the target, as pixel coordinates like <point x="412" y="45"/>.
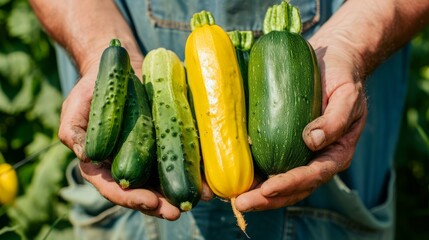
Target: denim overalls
<point x="356" y="204"/>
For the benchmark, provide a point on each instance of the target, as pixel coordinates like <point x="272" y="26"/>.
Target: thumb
<point x="74" y="118"/>
<point x="346" y="106"/>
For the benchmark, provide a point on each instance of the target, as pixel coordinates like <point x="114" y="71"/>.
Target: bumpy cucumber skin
<point x="135" y="153"/>
<point x="107" y="104"/>
<point x="176" y="135"/>
<point x="284" y="96"/>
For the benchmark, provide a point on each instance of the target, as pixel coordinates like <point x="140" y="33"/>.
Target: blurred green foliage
<point x="412" y="158"/>
<point x="30" y="101"/>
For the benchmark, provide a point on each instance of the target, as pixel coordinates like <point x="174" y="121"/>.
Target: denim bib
<point x="161" y="23"/>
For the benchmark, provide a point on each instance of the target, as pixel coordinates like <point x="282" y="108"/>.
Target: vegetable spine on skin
<point x="106" y="112"/>
<point x="135" y="152"/>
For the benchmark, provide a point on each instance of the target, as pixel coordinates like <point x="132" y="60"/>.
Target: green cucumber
<point x="284" y="92"/>
<point x="176" y="134"/>
<point x="107" y="104"/>
<point x="135" y="153"/>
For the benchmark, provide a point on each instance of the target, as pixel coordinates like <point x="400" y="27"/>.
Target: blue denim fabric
<point x="161" y="23"/>
<point x="357" y="204"/>
<point x="93" y="217"/>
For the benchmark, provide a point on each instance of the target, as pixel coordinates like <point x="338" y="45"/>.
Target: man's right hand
<point x="73" y="124"/>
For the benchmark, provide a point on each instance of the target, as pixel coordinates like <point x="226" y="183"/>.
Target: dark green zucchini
<point x="107" y="104"/>
<point x="135" y="152"/>
<point x="284" y="92"/>
<point x="243" y="41"/>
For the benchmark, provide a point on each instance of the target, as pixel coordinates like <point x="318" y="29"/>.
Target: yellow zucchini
<point x="218" y="95"/>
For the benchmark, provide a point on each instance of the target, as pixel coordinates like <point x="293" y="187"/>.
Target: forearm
<point x="370" y="31"/>
<point x="85" y="28"/>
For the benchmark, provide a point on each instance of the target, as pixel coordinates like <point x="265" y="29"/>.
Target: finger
<point x="164" y="209"/>
<point x="74" y="119"/>
<point x="287" y="188"/>
<point x="299" y="180"/>
<point x="347" y="105"/>
<point x="206" y="194"/>
<point x="305" y="179"/>
<point x="100" y="177"/>
<point x="78" y="138"/>
<point x="293" y="186"/>
<point x="254" y="200"/>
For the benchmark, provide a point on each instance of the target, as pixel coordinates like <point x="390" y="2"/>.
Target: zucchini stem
<point x="115" y="43"/>
<point x="186" y="206"/>
<point x="125" y="184"/>
<point x="242" y="40"/>
<point x="282" y="17"/>
<point x="202" y="18"/>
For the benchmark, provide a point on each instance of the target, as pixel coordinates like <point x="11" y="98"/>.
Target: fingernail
<point x="248" y="210"/>
<point x="144" y="207"/>
<point x="273" y="194"/>
<point x="317" y="137"/>
<point x="77" y="149"/>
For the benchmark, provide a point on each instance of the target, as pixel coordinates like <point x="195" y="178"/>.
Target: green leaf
<point x="32" y="150"/>
<point x="37" y="206"/>
<point x="40" y="52"/>
<point x="22" y="136"/>
<point x="40" y="141"/>
<point x="14" y="66"/>
<point x="3" y="2"/>
<point x="57" y="230"/>
<point x="424" y="71"/>
<point x="12" y="233"/>
<point x="17" y="92"/>
<point x="412" y="117"/>
<point x="23" y="99"/>
<point x="47" y="106"/>
<point x="427" y="115"/>
<point x="423" y="135"/>
<point x="3" y="16"/>
<point x="8" y="229"/>
<point x="22" y="23"/>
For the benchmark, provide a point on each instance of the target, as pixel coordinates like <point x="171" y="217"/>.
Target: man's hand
<point x="349" y="46"/>
<point x="74" y="120"/>
<point x="84" y="29"/>
<point x="333" y="136"/>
